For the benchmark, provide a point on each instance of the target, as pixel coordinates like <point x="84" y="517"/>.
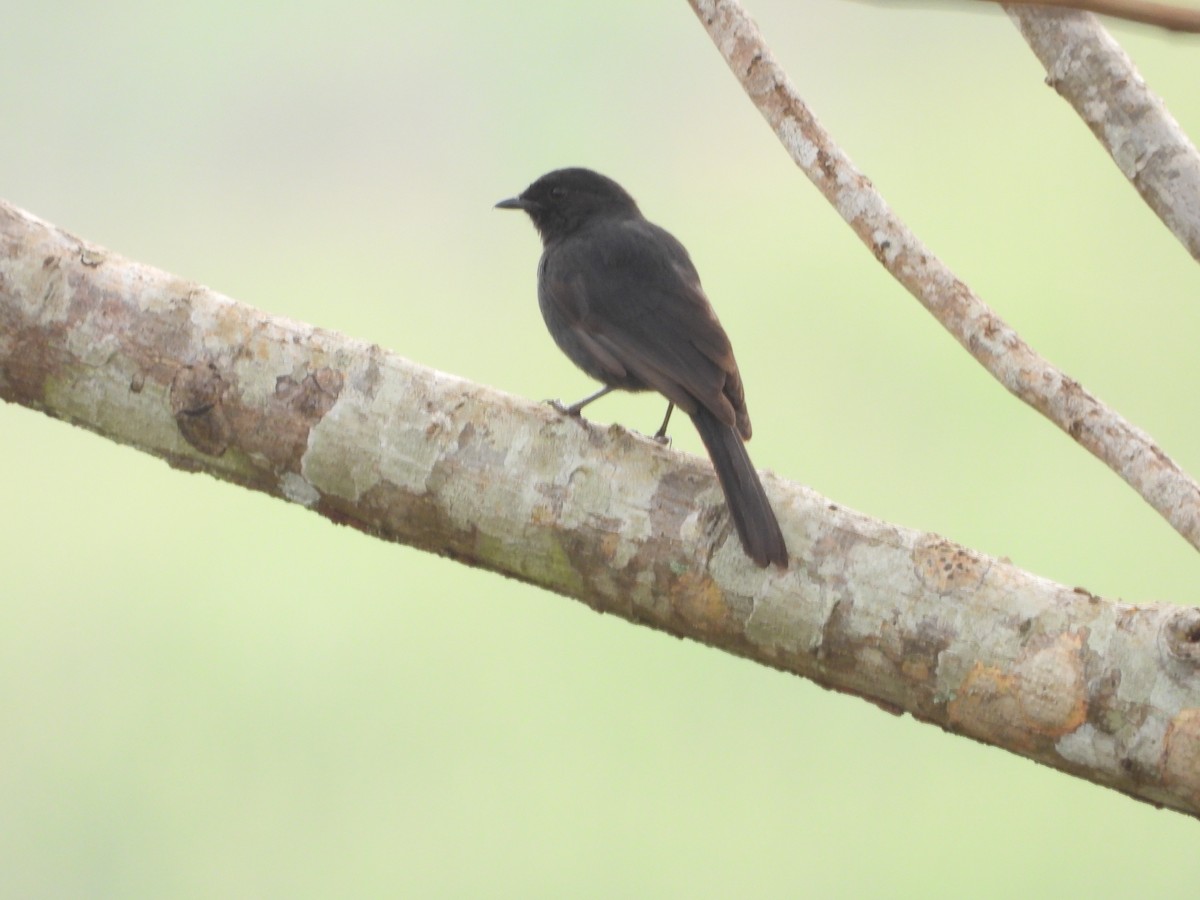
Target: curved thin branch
<point x="1101" y="690"/>
<point x="1120" y="445"/>
<point x="1090" y="71"/>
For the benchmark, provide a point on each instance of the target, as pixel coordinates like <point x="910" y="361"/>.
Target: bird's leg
<point x="575" y="408"/>
<point x="661" y="434"/>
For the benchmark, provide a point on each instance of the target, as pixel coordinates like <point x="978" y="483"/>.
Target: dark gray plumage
<point x="623" y="301"/>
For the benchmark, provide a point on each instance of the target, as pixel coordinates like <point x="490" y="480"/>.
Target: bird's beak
<point x="515" y="203"/>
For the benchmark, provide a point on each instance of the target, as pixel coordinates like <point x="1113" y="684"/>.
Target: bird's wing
<point x="633" y="301"/>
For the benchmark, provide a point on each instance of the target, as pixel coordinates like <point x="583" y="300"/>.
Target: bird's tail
<point x="752" y="515"/>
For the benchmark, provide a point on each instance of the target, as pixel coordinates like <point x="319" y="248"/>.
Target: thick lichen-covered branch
<point x="1106" y="691"/>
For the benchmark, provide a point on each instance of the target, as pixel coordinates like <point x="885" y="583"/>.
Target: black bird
<point x="623" y="301"/>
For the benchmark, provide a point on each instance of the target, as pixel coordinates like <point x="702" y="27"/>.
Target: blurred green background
<point x="204" y="692"/>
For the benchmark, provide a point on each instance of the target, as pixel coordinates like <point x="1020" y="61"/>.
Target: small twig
<point x="1123" y="447"/>
<point x="1172" y="18"/>
<point x="1090" y="70"/>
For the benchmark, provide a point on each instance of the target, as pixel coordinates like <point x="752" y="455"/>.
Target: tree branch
<point x="1105" y="691"/>
<point x="1162" y="15"/>
<point x="1172" y="18"/>
<point x="1090" y="71"/>
<point x="1124" y="448"/>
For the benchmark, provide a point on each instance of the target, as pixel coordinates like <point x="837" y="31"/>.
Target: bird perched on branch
<point x="623" y="301"/>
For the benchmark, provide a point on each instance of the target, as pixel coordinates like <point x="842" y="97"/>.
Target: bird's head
<point x="562" y="201"/>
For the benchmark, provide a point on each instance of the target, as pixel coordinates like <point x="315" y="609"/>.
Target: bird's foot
<point x="559" y="406"/>
<point x="661" y="435"/>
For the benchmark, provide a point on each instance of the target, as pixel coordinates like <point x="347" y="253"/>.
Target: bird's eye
<point x="558" y="191"/>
